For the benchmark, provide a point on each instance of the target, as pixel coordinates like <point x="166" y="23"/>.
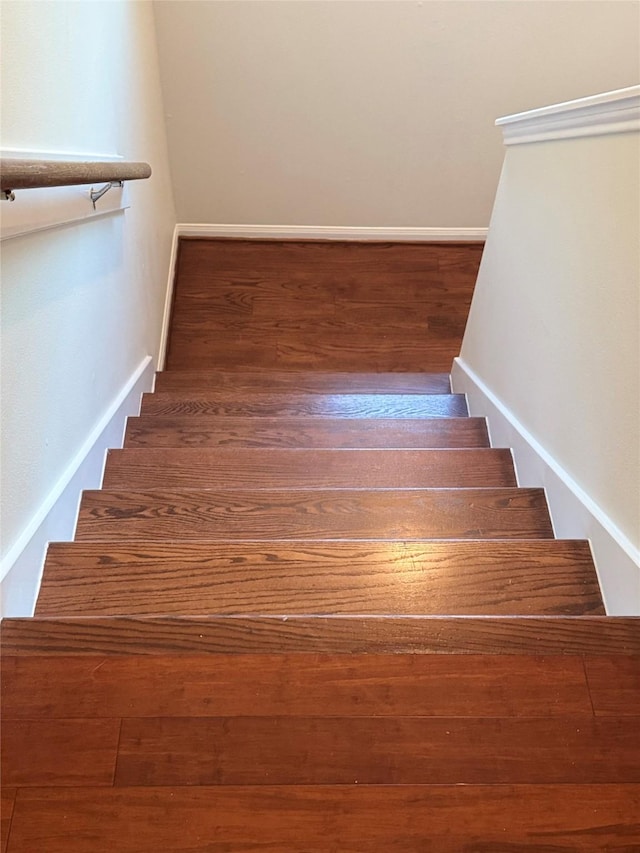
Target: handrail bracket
<point x="94" y="195"/>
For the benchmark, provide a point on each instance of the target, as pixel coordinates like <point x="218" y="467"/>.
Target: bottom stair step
<point x="283" y="578"/>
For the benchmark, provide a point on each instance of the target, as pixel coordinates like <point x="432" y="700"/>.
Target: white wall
<point x="368" y="113"/>
<point x="553" y="336"/>
<point x="81" y="305"/>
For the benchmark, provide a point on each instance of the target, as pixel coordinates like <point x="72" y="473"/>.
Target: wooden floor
<point x="322" y="306"/>
<point x="311" y="610"/>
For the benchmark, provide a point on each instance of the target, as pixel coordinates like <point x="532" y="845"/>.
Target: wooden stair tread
<point x="265" y="514"/>
<point x="260" y="404"/>
<point x="306" y="382"/>
<point x="228" y="431"/>
<point x="141" y="468"/>
<point x="438" y="635"/>
<point x="553" y="577"/>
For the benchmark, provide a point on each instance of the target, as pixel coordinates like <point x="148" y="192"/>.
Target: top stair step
<point x="308" y="382"/>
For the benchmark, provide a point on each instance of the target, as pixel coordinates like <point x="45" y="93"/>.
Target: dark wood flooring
<point x="321" y="306"/>
<point x="311" y="610"/>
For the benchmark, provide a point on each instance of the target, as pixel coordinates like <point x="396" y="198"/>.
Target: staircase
<point x="310" y="608"/>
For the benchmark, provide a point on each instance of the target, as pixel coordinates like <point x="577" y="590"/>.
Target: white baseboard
<point x="331" y="232"/>
<point x="574" y="514"/>
<point x="55" y="519"/>
<point x="168" y="300"/>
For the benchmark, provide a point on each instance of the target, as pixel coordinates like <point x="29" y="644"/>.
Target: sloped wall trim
<point x="168" y="301"/>
<point x="574" y="514"/>
<point x="55" y="519"/>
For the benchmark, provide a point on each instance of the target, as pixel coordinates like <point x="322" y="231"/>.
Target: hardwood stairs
<point x="312" y="610"/>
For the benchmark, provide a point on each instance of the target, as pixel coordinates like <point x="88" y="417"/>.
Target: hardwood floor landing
<point x="322" y="819"/>
<point x="321" y="306"/>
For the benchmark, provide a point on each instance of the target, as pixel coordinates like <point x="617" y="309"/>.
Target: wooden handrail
<point x="18" y="174"/>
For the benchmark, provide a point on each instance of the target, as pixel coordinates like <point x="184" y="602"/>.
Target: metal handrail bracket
<point x="94" y="195"/>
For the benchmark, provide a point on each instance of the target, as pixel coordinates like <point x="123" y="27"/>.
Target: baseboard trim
<point x="575" y="515"/>
<point x="55" y="519"/>
<point x="168" y="300"/>
<point x="331" y="232"/>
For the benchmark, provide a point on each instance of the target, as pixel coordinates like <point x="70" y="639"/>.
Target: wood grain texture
<point x="275" y="323"/>
<point x="316" y="819"/>
<point x="225" y="431"/>
<point x="614" y="683"/>
<point x="350" y="578"/>
<point x="420" y="635"/>
<point x="7" y="801"/>
<point x="377" y="751"/>
<point x="280" y="643"/>
<point x="199" y="254"/>
<point x="293" y="404"/>
<point x="293" y="685"/>
<point x="59" y="752"/>
<point x="313" y="351"/>
<point x="326" y="306"/>
<point x="286" y="468"/>
<point x="314" y="514"/>
<point x="303" y="381"/>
